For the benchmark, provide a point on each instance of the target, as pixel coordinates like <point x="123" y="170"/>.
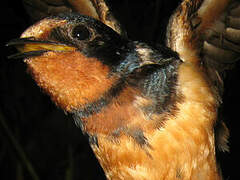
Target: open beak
<point x="29" y="47"/>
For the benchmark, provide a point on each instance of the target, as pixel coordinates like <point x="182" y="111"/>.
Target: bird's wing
<point x="97" y="9"/>
<point x="207" y="33"/>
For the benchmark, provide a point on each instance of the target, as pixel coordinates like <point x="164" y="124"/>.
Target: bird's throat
<point x="71" y="79"/>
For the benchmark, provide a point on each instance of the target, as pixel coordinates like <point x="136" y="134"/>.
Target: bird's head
<point x="71" y="57"/>
<point x="77" y="60"/>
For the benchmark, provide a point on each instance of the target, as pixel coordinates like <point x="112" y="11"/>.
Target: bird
<point x="149" y="112"/>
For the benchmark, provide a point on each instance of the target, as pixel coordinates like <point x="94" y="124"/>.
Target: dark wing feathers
<point x="97" y="9"/>
<point x="221" y="47"/>
<point x="215" y="41"/>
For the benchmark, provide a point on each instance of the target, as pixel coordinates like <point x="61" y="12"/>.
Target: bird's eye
<point x="80" y="32"/>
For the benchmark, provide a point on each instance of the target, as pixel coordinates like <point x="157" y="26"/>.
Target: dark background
<point x="54" y="147"/>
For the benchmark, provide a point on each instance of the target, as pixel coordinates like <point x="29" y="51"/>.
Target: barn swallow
<point x="149" y="112"/>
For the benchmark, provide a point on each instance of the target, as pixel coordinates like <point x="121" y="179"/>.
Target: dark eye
<point x="80" y="32"/>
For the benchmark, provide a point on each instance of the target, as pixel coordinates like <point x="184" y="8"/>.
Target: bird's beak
<point x="29" y="47"/>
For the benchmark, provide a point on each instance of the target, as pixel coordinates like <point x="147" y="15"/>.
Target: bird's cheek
<point x="71" y="79"/>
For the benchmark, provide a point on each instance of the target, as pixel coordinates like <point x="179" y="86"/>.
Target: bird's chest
<point x="181" y="148"/>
